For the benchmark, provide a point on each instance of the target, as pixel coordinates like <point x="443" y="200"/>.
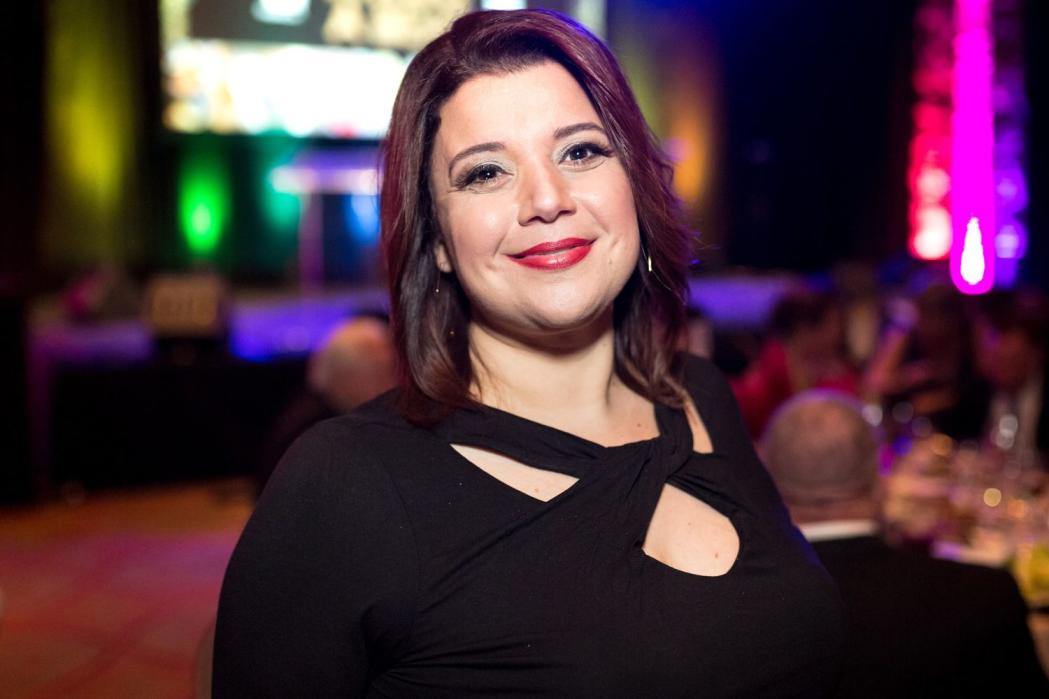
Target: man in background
<point x="918" y="626"/>
<point x="353" y="364"/>
<point x="1012" y="330"/>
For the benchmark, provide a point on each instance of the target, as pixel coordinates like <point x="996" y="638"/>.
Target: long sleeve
<point x="320" y="589"/>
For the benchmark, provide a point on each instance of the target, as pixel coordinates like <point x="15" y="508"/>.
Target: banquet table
<point x="975" y="504"/>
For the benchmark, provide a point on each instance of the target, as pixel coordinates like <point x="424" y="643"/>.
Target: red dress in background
<point x="767" y="384"/>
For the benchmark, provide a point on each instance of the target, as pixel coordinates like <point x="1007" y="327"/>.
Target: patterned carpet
<point x="111" y="595"/>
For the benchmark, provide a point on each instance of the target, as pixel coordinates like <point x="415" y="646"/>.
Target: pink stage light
<point x="972" y="150"/>
<point x="929" y="168"/>
<point x="932" y="239"/>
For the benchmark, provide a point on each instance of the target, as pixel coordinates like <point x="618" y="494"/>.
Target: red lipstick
<point x="560" y="254"/>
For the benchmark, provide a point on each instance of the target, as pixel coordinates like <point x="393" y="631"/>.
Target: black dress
<point x="379" y="562"/>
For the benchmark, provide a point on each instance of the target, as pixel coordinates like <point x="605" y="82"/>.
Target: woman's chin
<point x="562" y="325"/>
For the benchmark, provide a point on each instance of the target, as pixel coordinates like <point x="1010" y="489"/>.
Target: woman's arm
<point x="320" y="588"/>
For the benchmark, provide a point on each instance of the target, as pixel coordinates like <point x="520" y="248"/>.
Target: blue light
<point x="362" y="218"/>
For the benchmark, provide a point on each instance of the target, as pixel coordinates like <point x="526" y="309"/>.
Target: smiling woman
<point x="475" y="121"/>
<point x="554" y="501"/>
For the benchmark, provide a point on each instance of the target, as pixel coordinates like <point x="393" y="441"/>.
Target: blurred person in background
<point x="805" y="349"/>
<point x="104" y="293"/>
<point x="918" y="626"/>
<point x="1011" y="335"/>
<point x="923" y="372"/>
<point x="861" y="305"/>
<point x="352" y="365"/>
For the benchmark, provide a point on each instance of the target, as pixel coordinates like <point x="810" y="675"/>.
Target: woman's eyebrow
<point x="566" y="131"/>
<point x="479" y="148"/>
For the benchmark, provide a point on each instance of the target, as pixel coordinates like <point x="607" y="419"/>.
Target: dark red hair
<point x="429" y="326"/>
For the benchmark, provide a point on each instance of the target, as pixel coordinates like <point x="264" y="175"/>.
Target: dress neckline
<point x="544" y="446"/>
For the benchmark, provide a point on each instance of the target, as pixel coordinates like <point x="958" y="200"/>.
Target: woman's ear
<point x="440" y="253"/>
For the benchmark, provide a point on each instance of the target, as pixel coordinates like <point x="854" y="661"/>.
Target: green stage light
<point x="281" y="210"/>
<point x="204" y="199"/>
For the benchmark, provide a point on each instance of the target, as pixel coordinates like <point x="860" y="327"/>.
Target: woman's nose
<point x="545" y="196"/>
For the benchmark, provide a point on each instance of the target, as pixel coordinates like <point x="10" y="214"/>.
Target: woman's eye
<point x="585" y="153"/>
<point x="480" y="175"/>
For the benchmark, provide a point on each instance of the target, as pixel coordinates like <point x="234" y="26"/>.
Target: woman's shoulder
<point x="703" y="380"/>
<point x="334" y="488"/>
<point x="350" y="449"/>
<point x="365" y="430"/>
<point x="712" y="395"/>
<point x="327" y="558"/>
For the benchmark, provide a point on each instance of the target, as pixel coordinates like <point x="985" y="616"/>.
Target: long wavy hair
<point x="430" y="312"/>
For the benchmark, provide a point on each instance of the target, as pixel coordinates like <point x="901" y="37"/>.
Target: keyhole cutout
<point x="537" y="483"/>
<point x="689" y="535"/>
<point x="685" y="533"/>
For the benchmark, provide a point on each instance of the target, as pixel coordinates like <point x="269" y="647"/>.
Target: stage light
<point x="1011" y="246"/>
<point x="932" y="240"/>
<point x="972" y="149"/>
<point x="89" y="117"/>
<point x="362" y="217"/>
<point x="928" y="174"/>
<point x="972" y="266"/>
<point x="204" y="199"/>
<point x="281" y="11"/>
<point x="1007" y="243"/>
<point x="280" y="209"/>
<point x="503" y="4"/>
<point x="933" y="184"/>
<point x="970" y="165"/>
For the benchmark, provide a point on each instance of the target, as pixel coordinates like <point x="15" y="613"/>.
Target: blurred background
<point x="189" y="264"/>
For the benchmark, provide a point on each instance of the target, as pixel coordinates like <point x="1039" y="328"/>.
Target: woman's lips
<point x="559" y="254"/>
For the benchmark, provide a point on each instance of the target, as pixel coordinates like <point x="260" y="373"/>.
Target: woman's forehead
<point x="527" y="104"/>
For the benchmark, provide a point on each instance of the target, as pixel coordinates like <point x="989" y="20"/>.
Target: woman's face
<point x="536" y="212"/>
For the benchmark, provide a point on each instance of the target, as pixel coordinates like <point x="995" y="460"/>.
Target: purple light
<point x="972" y="150"/>
<point x="1011" y="243"/>
<point x="1012" y="185"/>
<point x="1007" y="272"/>
<point x="1011" y="246"/>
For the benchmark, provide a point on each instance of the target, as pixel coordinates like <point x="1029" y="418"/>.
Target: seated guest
<point x="353" y="364"/>
<point x="805" y="349"/>
<point x="918" y="626"/>
<point x="1011" y="336"/>
<point x="924" y="364"/>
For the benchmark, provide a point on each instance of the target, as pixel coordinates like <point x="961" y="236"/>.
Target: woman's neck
<point x="567" y="381"/>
